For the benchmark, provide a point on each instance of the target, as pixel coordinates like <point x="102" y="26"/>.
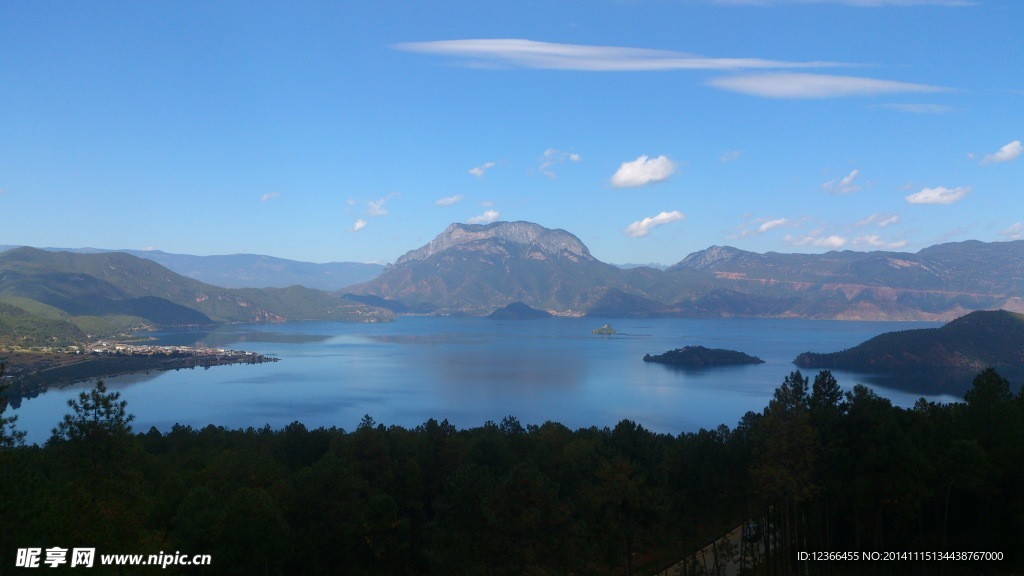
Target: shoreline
<point x="33" y="372"/>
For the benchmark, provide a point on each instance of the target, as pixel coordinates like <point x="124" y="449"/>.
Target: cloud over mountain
<point x="643" y="227"/>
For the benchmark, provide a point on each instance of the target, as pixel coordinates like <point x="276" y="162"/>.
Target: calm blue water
<point x="471" y="370"/>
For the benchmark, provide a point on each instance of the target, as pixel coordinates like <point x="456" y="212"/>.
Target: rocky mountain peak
<point x="533" y="236"/>
<point x="709" y="257"/>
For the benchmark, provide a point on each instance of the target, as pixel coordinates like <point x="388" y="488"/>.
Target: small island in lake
<point x="701" y="357"/>
<point x="606" y="329"/>
<point x="518" y="311"/>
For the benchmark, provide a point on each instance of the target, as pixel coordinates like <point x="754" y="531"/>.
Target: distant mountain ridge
<point x="104" y="292"/>
<point x="476" y="269"/>
<point x="479" y="268"/>
<point x="250" y="270"/>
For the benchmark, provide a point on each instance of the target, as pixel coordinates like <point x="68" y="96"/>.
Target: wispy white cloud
<point x="479" y="171"/>
<point x="939" y="195"/>
<point x="1014" y="232"/>
<point x="552" y="157"/>
<point x="486" y="218"/>
<point x="756" y="226"/>
<point x="376" y="207"/>
<point x="842" y="186"/>
<point x="359" y="225"/>
<point x="879" y="219"/>
<point x="875" y="241"/>
<point x="643" y="227"/>
<point x="815" y="238"/>
<point x="521" y="53"/>
<point x="643" y="171"/>
<point x="449" y="200"/>
<point x="802" y="85"/>
<point x="269" y="196"/>
<point x="1005" y="154"/>
<point x="730" y="156"/>
<point x="771" y="224"/>
<point x="917" y="108"/>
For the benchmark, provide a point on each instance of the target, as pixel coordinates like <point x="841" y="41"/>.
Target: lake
<point x="471" y="370"/>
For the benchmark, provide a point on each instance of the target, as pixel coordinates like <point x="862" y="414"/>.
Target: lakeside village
<point x="32" y="370"/>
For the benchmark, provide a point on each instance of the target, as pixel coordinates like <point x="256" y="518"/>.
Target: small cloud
<point x="643" y="227"/>
<point x="269" y="196"/>
<point x="481" y="169"/>
<point x="552" y="157"/>
<point x="917" y="108"/>
<point x="730" y="156"/>
<point x="359" y="225"/>
<point x="844" y="186"/>
<point x="643" y="171"/>
<point x="874" y="241"/>
<point x="771" y="224"/>
<point x="449" y="200"/>
<point x="816" y="239"/>
<point x="376" y="207"/>
<point x="1014" y="232"/>
<point x="755" y="226"/>
<point x="486" y="218"/>
<point x="939" y="195"/>
<point x="1005" y="154"/>
<point x="798" y="85"/>
<point x="878" y="219"/>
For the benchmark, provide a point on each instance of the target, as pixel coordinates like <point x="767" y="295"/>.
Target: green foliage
<point x="22" y="328"/>
<point x="97" y="416"/>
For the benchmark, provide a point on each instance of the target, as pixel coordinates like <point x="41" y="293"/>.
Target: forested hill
<point x="249" y="270"/>
<point x="109" y="290"/>
<point x="977" y="340"/>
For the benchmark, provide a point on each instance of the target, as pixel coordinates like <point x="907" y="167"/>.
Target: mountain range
<point x="250" y="270"/>
<point x="108" y="292"/>
<point x="478" y="268"/>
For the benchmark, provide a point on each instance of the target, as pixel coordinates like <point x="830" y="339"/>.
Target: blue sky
<point x="356" y="131"/>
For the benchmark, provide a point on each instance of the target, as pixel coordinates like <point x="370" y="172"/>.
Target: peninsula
<point x="31" y="371"/>
<point x="982" y="339"/>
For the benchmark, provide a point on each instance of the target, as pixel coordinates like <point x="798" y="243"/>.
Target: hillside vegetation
<point x="975" y="341"/>
<point x="106" y="293"/>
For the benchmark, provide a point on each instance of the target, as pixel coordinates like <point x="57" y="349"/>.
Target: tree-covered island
<point x="701" y="357"/>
